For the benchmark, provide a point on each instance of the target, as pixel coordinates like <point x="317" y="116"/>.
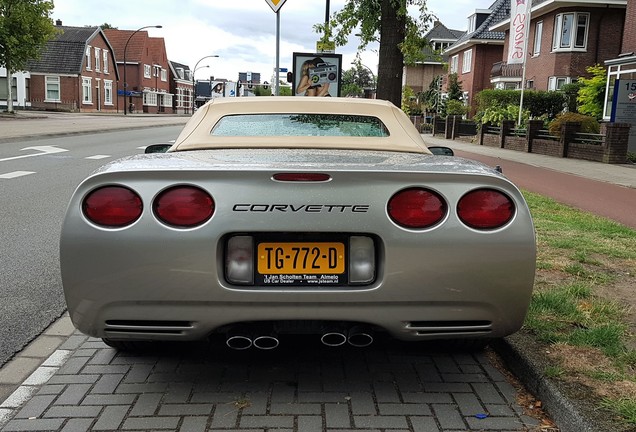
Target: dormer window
<point x="472" y="21"/>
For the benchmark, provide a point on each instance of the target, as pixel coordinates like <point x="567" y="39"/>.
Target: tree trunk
<point x="390" y="69"/>
<point x="9" y="91"/>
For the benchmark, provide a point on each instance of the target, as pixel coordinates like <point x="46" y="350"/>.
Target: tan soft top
<point x="403" y="136"/>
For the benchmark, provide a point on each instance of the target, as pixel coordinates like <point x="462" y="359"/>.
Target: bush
<point x="538" y="103"/>
<point x="588" y="123"/>
<point x="455" y="107"/>
<point x="495" y="115"/>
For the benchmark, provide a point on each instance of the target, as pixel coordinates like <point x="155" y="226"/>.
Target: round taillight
<point x="416" y="208"/>
<point x="184" y="206"/>
<point x="485" y="209"/>
<point x="112" y="206"/>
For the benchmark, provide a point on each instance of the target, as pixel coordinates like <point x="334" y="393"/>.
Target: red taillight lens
<point x="416" y="208"/>
<point x="112" y="206"/>
<point x="485" y="209"/>
<point x="301" y="177"/>
<point x="184" y="206"/>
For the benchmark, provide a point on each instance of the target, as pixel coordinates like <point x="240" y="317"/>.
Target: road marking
<point x="15" y="174"/>
<point x="43" y="150"/>
<point x="98" y="157"/>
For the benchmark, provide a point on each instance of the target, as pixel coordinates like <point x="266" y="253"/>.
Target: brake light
<point x="485" y="209"/>
<point x="417" y="208"/>
<point x="112" y="206"/>
<point x="301" y="177"/>
<point x="184" y="206"/>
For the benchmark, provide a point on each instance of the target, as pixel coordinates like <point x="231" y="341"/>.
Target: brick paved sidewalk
<point x="301" y="386"/>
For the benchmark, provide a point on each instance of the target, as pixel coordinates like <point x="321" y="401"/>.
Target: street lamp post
<point x="125" y="49"/>
<point x="370" y="71"/>
<point x="194" y="87"/>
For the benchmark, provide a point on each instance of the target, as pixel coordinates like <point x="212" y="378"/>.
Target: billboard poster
<point x="317" y="74"/>
<point x="624" y="108"/>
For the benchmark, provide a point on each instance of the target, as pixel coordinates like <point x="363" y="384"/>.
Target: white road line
<point x="15" y="174"/>
<point x="98" y="157"/>
<point x="42" y="149"/>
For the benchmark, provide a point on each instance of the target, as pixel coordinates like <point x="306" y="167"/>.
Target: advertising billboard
<point x="317" y="74"/>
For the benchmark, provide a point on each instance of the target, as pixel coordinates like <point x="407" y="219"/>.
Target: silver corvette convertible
<point x="318" y="216"/>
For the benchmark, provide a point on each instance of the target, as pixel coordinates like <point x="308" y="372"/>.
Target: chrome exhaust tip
<point x="239" y="342"/>
<point x="333" y="339"/>
<point x="359" y="337"/>
<point x="266" y="342"/>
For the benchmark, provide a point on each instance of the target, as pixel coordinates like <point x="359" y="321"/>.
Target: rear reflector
<point x="301" y="177"/>
<point x="239" y="260"/>
<point x="485" y="209"/>
<point x="417" y="208"/>
<point x="184" y="206"/>
<point x="112" y="206"/>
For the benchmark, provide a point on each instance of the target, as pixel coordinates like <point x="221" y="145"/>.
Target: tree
<point x="592" y="92"/>
<point x="454" y="88"/>
<point x="25" y="28"/>
<point x="356" y="79"/>
<point x="400" y="36"/>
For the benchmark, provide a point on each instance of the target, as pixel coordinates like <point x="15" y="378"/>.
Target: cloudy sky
<point x="241" y="32"/>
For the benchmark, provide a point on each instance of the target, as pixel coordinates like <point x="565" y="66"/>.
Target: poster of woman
<point x="316" y="74"/>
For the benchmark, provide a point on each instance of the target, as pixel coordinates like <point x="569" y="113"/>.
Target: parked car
<point x="287" y="215"/>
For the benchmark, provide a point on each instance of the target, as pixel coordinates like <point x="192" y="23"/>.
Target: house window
<point x="52" y="88"/>
<point x="164" y="75"/>
<point x="530" y="84"/>
<point x="467" y="61"/>
<point x="167" y="100"/>
<point x="105" y="57"/>
<point x="88" y="58"/>
<point x="150" y="98"/>
<point x="4" y="94"/>
<point x="108" y="92"/>
<point x="87" y="93"/>
<point x="538" y="32"/>
<point x="472" y="21"/>
<point x="570" y="31"/>
<point x="146" y="71"/>
<point x="454" y="64"/>
<point x="98" y="59"/>
<point x="556" y="83"/>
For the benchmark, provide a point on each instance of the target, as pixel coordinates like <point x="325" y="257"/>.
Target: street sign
<point x="326" y="47"/>
<point x="275" y="4"/>
<point x="282" y="69"/>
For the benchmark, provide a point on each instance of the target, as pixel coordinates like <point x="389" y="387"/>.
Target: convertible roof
<point x="403" y="136"/>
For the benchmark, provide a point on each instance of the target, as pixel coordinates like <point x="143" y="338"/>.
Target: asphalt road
<point x="37" y="179"/>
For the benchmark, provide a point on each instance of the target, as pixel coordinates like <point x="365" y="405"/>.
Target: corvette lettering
<point x="303" y="208"/>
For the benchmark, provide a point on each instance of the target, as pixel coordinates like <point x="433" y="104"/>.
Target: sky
<point x="241" y="32"/>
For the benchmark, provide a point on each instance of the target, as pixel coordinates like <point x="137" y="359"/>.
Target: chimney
<point x="58" y="22"/>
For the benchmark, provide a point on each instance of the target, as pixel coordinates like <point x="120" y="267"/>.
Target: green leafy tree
<point x="25" y="28"/>
<point x="350" y="85"/>
<point x="408" y="96"/>
<point x="454" y="88"/>
<point x="432" y="96"/>
<point x="387" y="21"/>
<point x="592" y="92"/>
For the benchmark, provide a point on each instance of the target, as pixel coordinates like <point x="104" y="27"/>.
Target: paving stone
<point x="386" y="392"/>
<point x="258" y="403"/>
<point x="73" y="394"/>
<point x="37" y="425"/>
<point x="295" y="408"/>
<point x="78" y="425"/>
<point x="424" y="424"/>
<point x="380" y="422"/>
<point x="72" y="411"/>
<point x="36" y="406"/>
<point x="448" y="417"/>
<point x="310" y="424"/>
<point x="74" y="342"/>
<point x="494" y="423"/>
<point x="488" y="393"/>
<point x="110" y="399"/>
<point x="337" y="416"/>
<point x="138" y="373"/>
<point x="194" y="424"/>
<point x="404" y="409"/>
<point x="225" y="416"/>
<point x="185" y="409"/>
<point x="106" y="369"/>
<point x="468" y="404"/>
<point x="324" y="397"/>
<point x="107" y="383"/>
<point x="266" y="421"/>
<point x="146" y="404"/>
<point x="102" y="356"/>
<point x="142" y="388"/>
<point x="144" y="423"/>
<point x="111" y="418"/>
<point x="362" y="403"/>
<point x="427" y="398"/>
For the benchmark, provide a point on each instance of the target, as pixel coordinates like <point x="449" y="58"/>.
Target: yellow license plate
<point x="301" y="258"/>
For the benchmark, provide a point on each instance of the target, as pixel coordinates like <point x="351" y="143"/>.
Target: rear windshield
<point x="300" y="125"/>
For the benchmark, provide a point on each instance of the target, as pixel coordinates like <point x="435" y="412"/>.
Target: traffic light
<point x="290" y="77"/>
<point x="265" y="85"/>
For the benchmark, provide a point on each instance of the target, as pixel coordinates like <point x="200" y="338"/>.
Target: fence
<point x="453" y="127"/>
<point x="610" y="146"/>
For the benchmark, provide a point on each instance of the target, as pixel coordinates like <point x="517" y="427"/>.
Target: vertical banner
<point x="519" y="31"/>
<point x="316" y="74"/>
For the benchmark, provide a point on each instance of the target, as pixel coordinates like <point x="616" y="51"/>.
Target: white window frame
<point x="52" y="84"/>
<point x="105" y="61"/>
<point x="556" y="82"/>
<point x="538" y="34"/>
<point x="558" y="41"/>
<point x="167" y="100"/>
<point x="87" y="90"/>
<point x="454" y="63"/>
<point x="108" y="92"/>
<point x="147" y="71"/>
<point x="150" y="99"/>
<point x="88" y="58"/>
<point x="467" y="61"/>
<point x="98" y="53"/>
<point x="164" y="75"/>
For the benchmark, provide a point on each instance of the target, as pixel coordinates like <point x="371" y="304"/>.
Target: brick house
<point x="565" y="37"/>
<point x="143" y="61"/>
<point x="181" y="87"/>
<point x="420" y="75"/>
<point x="623" y="67"/>
<point x="474" y="53"/>
<point x="76" y="72"/>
